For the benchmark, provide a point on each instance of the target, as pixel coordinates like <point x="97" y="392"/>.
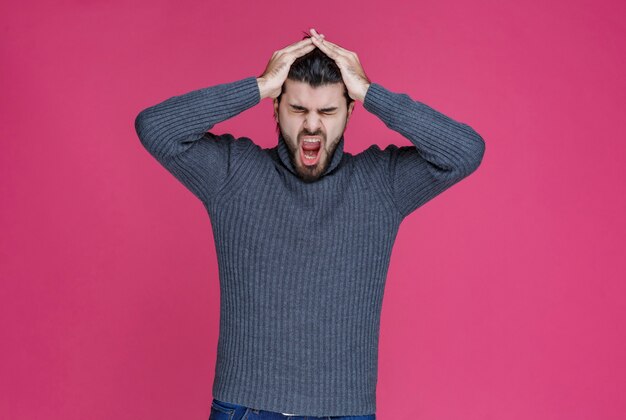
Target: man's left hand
<point x="352" y="73"/>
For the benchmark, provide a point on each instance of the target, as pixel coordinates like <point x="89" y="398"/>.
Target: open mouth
<point x="310" y="150"/>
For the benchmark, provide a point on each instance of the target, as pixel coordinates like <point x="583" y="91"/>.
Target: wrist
<point x="367" y="88"/>
<point x="261" y="83"/>
<point x="364" y="94"/>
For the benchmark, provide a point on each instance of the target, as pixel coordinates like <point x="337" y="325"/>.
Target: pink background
<point x="505" y="295"/>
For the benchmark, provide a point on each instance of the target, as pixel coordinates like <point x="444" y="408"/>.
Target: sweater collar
<point x="283" y="154"/>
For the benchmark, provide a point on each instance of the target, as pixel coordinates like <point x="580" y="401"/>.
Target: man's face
<point x="306" y="113"/>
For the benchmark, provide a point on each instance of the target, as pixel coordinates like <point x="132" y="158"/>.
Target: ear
<point x="276" y="109"/>
<point x="350" y="108"/>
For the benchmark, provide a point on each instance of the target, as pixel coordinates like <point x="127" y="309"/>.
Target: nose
<point x="312" y="123"/>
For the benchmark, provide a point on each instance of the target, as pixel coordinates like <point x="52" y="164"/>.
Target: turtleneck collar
<point x="283" y="154"/>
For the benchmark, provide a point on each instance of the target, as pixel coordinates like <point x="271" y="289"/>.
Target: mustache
<point x="306" y="133"/>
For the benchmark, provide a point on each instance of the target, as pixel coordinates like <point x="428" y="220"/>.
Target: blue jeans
<point x="221" y="410"/>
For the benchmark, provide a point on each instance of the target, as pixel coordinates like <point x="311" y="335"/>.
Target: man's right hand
<point x="271" y="81"/>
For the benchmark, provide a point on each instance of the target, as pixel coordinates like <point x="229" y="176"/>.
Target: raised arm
<point x="444" y="151"/>
<point x="175" y="133"/>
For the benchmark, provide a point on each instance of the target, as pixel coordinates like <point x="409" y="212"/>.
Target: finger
<point x="326" y="48"/>
<point x="302" y="50"/>
<point x="316" y="34"/>
<point x="332" y="45"/>
<point x="339" y="49"/>
<point x="308" y="46"/>
<point x="296" y="45"/>
<point x="293" y="55"/>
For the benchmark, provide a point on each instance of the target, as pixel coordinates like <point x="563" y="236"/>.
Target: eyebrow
<point x="328" y="109"/>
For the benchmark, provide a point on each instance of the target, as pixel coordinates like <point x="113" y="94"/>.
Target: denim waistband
<point x="238" y="411"/>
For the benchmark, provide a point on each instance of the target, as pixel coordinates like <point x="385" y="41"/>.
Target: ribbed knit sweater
<point x="302" y="266"/>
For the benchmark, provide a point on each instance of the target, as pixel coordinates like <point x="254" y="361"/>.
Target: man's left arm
<point x="444" y="151"/>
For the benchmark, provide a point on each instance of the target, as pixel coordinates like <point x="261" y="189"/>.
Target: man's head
<point x="314" y="104"/>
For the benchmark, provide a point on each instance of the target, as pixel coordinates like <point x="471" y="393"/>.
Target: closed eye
<point x="325" y="111"/>
<point x="299" y="111"/>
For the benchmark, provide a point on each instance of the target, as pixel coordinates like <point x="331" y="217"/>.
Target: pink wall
<point x="505" y="295"/>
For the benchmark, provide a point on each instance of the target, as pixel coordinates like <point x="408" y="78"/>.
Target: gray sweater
<point x="302" y="266"/>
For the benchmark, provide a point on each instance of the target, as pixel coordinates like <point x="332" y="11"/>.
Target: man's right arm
<point x="175" y="133"/>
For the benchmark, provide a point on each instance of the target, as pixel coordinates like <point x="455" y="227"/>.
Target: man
<point x="304" y="231"/>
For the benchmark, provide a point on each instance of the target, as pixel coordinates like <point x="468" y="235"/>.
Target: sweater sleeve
<point x="444" y="151"/>
<point x="175" y="133"/>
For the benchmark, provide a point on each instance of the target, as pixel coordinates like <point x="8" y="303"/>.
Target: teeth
<point x="311" y="140"/>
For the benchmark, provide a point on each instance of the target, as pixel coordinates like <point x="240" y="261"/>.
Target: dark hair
<point x="316" y="69"/>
